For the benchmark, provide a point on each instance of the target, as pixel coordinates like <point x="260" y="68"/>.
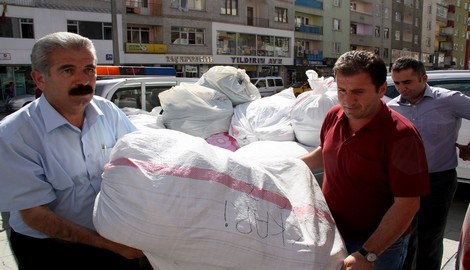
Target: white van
<point x="137" y="92"/>
<point x="268" y="86"/>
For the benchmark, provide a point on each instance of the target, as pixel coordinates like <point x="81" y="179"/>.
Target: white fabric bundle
<point x="271" y="149"/>
<point x="310" y="109"/>
<point x="191" y="205"/>
<point x="196" y="110"/>
<point x="233" y="82"/>
<point x="265" y="119"/>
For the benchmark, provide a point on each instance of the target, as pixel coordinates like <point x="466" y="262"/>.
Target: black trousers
<point x="34" y="253"/>
<point x="426" y="243"/>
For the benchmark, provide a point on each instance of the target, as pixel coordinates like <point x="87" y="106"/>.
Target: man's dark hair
<point x="403" y="63"/>
<point x="355" y="62"/>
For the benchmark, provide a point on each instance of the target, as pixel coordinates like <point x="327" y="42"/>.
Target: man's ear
<point x="38" y="79"/>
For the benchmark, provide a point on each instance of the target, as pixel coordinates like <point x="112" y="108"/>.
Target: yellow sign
<point x="146" y="48"/>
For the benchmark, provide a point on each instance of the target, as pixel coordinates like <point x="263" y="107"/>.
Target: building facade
<point x="265" y="37"/>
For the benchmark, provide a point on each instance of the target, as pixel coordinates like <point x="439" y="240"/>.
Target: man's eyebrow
<point x="66" y="66"/>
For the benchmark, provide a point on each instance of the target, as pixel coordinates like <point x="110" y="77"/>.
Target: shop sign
<point x="189" y="59"/>
<point x="5" y="56"/>
<point x="146" y="48"/>
<point x="256" y="60"/>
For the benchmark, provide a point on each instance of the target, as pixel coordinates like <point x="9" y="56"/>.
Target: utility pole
<point x="115" y="32"/>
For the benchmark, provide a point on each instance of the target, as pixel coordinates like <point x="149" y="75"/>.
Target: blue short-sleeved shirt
<point x="46" y="160"/>
<point x="438" y="117"/>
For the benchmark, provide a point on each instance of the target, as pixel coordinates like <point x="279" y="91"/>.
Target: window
<point x="417" y="4"/>
<point x="27" y="29"/>
<point x="337" y="3"/>
<point x="91" y="30"/>
<point x="386" y="33"/>
<point x="377" y="10"/>
<point x="138" y="34"/>
<point x="187" y="36"/>
<point x="429" y="25"/>
<point x="416" y="39"/>
<point x="229" y="7"/>
<point x="280" y="15"/>
<point x="352" y="6"/>
<point x="336" y="24"/>
<point x="386" y="13"/>
<point x="428" y="42"/>
<point x="397" y="16"/>
<point x="397" y="35"/>
<point x="377" y="31"/>
<point x="231" y="43"/>
<point x="186" y="5"/>
<point x="417" y="22"/>
<point x="336" y="47"/>
<point x="17" y="28"/>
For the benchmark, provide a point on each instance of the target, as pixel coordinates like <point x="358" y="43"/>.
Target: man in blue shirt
<point x="437" y="114"/>
<point x="53" y="152"/>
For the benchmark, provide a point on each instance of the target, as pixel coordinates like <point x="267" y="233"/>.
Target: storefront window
<point x="250" y="44"/>
<point x="247" y="44"/>
<point x="226" y="43"/>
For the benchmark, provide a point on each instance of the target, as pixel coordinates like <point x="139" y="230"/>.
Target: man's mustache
<point x="81" y="90"/>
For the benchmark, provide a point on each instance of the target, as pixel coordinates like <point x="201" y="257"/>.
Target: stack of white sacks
<point x="214" y="182"/>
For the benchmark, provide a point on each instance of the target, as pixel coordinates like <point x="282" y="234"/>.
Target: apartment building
<point x="264" y="37"/>
<point x="191" y="35"/>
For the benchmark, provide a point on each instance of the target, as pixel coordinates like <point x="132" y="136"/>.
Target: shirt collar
<point x="427" y="93"/>
<point x="53" y="119"/>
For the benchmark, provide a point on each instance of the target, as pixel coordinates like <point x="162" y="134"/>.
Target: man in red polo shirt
<point x="374" y="164"/>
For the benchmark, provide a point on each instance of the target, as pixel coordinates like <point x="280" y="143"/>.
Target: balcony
<point x="445" y="46"/>
<point x="310" y="3"/>
<point x="310" y="29"/>
<point x="258" y="22"/>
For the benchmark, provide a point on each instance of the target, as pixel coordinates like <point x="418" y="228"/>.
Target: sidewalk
<point x="7" y="259"/>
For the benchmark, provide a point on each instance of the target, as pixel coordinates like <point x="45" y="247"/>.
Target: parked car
<point x="137" y="92"/>
<point x="300" y="87"/>
<point x="458" y="80"/>
<point x="268" y="86"/>
<point x="18" y="102"/>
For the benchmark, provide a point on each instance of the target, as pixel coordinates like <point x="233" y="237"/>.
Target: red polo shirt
<point x="365" y="170"/>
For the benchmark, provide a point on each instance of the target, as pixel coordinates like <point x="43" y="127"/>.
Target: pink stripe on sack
<point x="195" y="173"/>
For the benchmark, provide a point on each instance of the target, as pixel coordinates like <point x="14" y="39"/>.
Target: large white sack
<point x="191" y="205"/>
<point x="265" y="119"/>
<point x="310" y="109"/>
<point x="272" y="149"/>
<point x="231" y="81"/>
<point x="196" y="110"/>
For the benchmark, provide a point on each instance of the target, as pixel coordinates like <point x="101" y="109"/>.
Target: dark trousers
<point x="426" y="243"/>
<point x="34" y="253"/>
